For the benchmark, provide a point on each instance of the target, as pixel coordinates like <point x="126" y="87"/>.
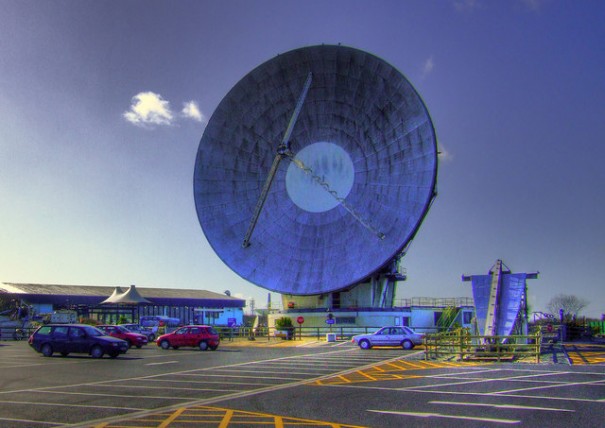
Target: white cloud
<point x="192" y="111"/>
<point x="149" y="108"/>
<point x="428" y="66"/>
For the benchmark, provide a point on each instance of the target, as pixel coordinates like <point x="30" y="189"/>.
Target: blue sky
<point x="103" y="104"/>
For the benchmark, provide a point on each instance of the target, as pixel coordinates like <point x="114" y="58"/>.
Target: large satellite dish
<point x="316" y="170"/>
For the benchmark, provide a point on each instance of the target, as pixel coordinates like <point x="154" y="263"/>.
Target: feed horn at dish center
<point x="316" y="171"/>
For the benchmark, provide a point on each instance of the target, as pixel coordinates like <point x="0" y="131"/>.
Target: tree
<point x="570" y="304"/>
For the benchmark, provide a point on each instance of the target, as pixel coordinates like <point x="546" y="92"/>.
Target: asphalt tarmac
<point x="286" y="383"/>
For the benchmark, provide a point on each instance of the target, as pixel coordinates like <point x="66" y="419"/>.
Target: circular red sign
<point x="300" y="320"/>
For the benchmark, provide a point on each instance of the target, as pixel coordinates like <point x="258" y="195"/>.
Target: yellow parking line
<point x="393" y="370"/>
<point x="584" y="354"/>
<point x="172" y="417"/>
<point x="226" y="419"/>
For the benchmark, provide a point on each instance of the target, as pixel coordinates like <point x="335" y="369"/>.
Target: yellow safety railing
<point x="463" y="346"/>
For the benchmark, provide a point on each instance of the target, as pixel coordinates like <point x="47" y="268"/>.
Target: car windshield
<point x="121" y="329"/>
<point x="93" y="331"/>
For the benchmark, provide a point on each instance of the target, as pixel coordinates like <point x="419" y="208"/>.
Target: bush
<point x="283" y="323"/>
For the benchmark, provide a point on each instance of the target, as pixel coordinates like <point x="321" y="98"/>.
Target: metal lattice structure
<point x="316" y="170"/>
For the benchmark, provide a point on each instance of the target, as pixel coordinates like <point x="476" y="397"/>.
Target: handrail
<point x="463" y="346"/>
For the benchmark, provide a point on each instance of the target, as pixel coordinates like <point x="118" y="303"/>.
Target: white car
<point x="389" y="336"/>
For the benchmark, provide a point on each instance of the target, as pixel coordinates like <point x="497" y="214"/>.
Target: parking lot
<point x="285" y="384"/>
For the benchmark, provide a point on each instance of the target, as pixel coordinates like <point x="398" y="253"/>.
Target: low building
<point x="190" y="306"/>
<point x="423" y="314"/>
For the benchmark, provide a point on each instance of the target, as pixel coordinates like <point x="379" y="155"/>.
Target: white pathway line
<point x="86" y="406"/>
<point x="301" y="364"/>
<point x="439" y="415"/>
<point x="172" y="388"/>
<point x="561" y="385"/>
<point x="159" y="375"/>
<point x="221" y="398"/>
<point x="460" y="393"/>
<point x="501" y="406"/>
<point x="99" y="394"/>
<point x="220" y="376"/>
<point x="162" y="363"/>
<point x="309" y="344"/>
<point x="208" y="382"/>
<point x="474" y="381"/>
<point x="269" y="372"/>
<point x="31" y="421"/>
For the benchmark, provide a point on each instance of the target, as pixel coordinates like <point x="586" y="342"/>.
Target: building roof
<point x="95" y="294"/>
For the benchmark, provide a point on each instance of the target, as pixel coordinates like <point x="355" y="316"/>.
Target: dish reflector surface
<point x="368" y="146"/>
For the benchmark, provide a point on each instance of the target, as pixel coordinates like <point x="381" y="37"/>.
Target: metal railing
<point x="463" y="346"/>
<point x="16" y="333"/>
<point x="272" y="333"/>
<point x="435" y="302"/>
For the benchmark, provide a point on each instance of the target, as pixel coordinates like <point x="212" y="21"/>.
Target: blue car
<point x="68" y="339"/>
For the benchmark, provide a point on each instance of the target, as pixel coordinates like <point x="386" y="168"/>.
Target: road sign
<point x="300" y="320"/>
<point x="330" y="321"/>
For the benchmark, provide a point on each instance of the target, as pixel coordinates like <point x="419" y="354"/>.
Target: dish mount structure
<point x="315" y="172"/>
<point x="500" y="300"/>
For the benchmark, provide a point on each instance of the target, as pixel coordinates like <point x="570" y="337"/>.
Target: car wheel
<point x="407" y="345"/>
<point x="151" y="337"/>
<point x="164" y="344"/>
<point x="213" y="348"/>
<point x="203" y="346"/>
<point x="47" y="350"/>
<point x="365" y="344"/>
<point x="113" y="354"/>
<point x="129" y="344"/>
<point x="139" y="346"/>
<point x="97" y="352"/>
<point x="64" y="354"/>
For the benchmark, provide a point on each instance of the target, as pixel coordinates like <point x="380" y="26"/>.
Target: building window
<point x="336" y="300"/>
<point x="437" y="315"/>
<point x="468" y="316"/>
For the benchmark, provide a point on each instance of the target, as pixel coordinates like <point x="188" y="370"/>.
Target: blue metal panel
<point x="512" y="291"/>
<point x="481" y="289"/>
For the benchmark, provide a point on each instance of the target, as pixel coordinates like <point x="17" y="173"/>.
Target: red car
<point x="133" y="339"/>
<point x="198" y="336"/>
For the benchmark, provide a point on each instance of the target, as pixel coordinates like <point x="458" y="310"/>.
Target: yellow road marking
<point x="207" y="416"/>
<point x="226" y="419"/>
<point x="387" y="371"/>
<point x="585" y="354"/>
<point x="172" y="417"/>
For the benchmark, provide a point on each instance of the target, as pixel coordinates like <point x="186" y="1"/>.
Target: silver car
<point x="389" y="336"/>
